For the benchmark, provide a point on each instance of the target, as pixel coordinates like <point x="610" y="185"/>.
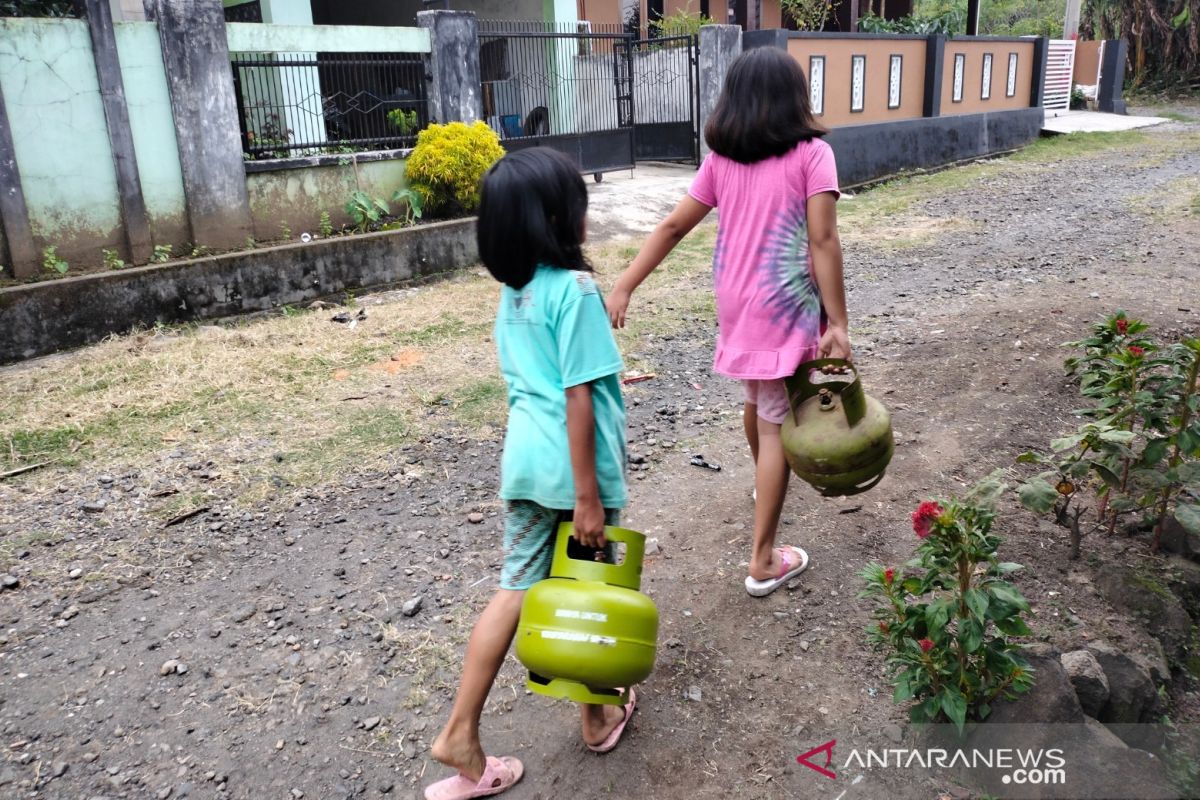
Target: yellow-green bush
<point x="448" y="162"/>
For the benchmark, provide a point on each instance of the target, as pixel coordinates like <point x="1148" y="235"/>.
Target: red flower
<point x="926" y="645"/>
<point x="1122" y="326"/>
<point x="889" y="575"/>
<point x="883" y="627"/>
<point x="924" y="516"/>
<point x="1134" y="350"/>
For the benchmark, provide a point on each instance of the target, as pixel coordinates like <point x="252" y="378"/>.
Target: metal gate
<point x="568" y="90"/>
<point x="666" y="108"/>
<point x="603" y="96"/>
<point x="1060" y="74"/>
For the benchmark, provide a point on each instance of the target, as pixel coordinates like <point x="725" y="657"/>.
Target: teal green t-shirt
<point x="553" y="334"/>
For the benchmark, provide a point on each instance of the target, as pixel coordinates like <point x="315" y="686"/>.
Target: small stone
<point x="893" y="732"/>
<point x="411" y="607"/>
<point x="474" y="518"/>
<point x="672" y="642"/>
<point x="165" y="792"/>
<point x="168" y="667"/>
<point x="296" y="793"/>
<point x="106" y="480"/>
<point x="95" y="506"/>
<point x="653" y="548"/>
<point x="70" y="613"/>
<point x="279" y="744"/>
<point x="694" y="694"/>
<point x="181" y="668"/>
<point x="58" y="769"/>
<point x="75" y="574"/>
<point x="371" y="723"/>
<point x="804" y="645"/>
<point x="9" y="582"/>
<point x="244" y="613"/>
<point x="386" y="788"/>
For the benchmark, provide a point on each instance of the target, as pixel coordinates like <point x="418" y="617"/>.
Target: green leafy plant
<point x="326" y="225"/>
<point x="162" y="252"/>
<point x="285" y="230"/>
<point x="448" y="162"/>
<point x="809" y="15"/>
<point x="946" y="623"/>
<point x="366" y="210"/>
<point x="404" y="121"/>
<point x="112" y="260"/>
<point x="412" y="204"/>
<point x="683" y="22"/>
<point x="947" y="23"/>
<point x="1139" y="449"/>
<point x="52" y="263"/>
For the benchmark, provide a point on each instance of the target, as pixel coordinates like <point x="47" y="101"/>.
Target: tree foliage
<point x="1163" y="36"/>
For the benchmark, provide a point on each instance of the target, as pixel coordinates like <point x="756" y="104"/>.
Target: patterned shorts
<point x="529" y="534"/>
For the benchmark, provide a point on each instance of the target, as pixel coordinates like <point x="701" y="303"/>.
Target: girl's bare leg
<point x="750" y="423"/>
<point x="458" y="744"/>
<point x="771" y="474"/>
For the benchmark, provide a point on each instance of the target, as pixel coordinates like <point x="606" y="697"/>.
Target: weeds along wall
<point x="51" y="73"/>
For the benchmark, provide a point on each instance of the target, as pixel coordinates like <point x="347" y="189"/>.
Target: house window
<point x="246" y="12"/>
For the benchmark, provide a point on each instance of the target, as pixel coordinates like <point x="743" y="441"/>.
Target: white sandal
<point x="794" y="561"/>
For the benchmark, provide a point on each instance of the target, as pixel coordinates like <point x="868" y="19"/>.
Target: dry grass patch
<point x="298" y="398"/>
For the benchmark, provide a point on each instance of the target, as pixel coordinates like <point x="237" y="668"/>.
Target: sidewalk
<point x="1095" y="122"/>
<point x="627" y="205"/>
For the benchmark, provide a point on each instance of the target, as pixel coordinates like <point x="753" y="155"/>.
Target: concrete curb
<point x="46" y="317"/>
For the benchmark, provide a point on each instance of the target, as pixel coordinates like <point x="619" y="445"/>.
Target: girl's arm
<point x="826" y="249"/>
<point x="581" y="438"/>
<point x="669" y="233"/>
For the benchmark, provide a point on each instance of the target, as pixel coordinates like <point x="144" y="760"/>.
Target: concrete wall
<point x="839" y="54"/>
<point x="973" y="52"/>
<point x="296" y="197"/>
<point x="59" y="134"/>
<point x="45" y="317"/>
<point x="1087" y="62"/>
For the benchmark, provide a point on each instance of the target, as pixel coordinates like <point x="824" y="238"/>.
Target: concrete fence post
<point x="776" y="37"/>
<point x="134" y="222"/>
<point x="935" y="63"/>
<point x="1041" y="55"/>
<point x="195" y="56"/>
<point x="452" y="65"/>
<point x="1112" y="77"/>
<point x="719" y="46"/>
<point x="14" y="214"/>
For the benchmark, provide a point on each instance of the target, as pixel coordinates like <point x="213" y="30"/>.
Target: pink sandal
<point x="793" y="560"/>
<point x="615" y="736"/>
<point x="499" y="775"/>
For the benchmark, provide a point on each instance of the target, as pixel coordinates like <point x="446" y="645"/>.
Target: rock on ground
<point x="1087" y="676"/>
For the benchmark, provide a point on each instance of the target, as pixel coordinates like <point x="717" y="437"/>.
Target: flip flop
<point x="499" y="775"/>
<point x="794" y="561"/>
<point x="615" y="736"/>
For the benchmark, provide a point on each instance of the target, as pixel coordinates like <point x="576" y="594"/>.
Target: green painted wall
<point x="59" y="134"/>
<point x="296" y="197"/>
<point x="153" y="130"/>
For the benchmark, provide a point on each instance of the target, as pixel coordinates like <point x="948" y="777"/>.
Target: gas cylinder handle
<point x="627" y="574"/>
<point x="801" y="387"/>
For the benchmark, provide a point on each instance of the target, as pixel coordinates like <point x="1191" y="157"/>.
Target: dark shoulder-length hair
<point x="532" y="210"/>
<point x="763" y="110"/>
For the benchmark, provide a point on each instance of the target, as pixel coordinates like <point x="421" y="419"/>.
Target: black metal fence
<point x="292" y="104"/>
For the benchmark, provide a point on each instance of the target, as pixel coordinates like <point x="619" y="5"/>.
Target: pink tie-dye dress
<point x="768" y="307"/>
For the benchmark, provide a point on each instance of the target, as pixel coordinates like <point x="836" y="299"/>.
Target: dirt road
<point x="260" y="648"/>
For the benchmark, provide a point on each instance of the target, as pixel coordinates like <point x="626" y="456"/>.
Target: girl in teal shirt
<point x="564" y="451"/>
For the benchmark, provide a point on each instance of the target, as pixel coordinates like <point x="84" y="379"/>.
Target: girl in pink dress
<point x="777" y="267"/>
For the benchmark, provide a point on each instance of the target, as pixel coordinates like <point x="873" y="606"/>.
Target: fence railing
<point x="292" y="104"/>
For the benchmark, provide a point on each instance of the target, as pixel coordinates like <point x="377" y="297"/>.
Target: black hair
<point x="532" y="209"/>
<point x="763" y="110"/>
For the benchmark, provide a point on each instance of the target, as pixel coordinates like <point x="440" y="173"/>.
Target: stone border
<point x="46" y="317"/>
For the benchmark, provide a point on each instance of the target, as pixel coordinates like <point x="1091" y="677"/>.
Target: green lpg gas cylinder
<point x="586" y="633"/>
<point x="837" y="438"/>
